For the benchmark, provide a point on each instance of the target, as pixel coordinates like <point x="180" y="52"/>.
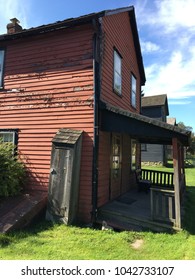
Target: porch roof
<point x="145" y="129"/>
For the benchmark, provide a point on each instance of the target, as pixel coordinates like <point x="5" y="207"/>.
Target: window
<point x="133" y="154"/>
<point x="144" y="147"/>
<point x="2" y="54"/>
<point x="117" y="72"/>
<point x="133" y="90"/>
<point x="116" y="156"/>
<point x="9" y="136"/>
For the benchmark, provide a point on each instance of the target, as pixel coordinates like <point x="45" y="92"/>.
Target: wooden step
<point x="126" y="222"/>
<point x="18" y="212"/>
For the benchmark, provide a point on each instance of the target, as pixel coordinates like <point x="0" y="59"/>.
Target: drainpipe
<point x="96" y="76"/>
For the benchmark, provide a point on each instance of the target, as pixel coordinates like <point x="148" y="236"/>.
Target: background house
<point x="156" y="107"/>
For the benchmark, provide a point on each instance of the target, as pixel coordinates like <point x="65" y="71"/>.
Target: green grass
<point x="47" y="242"/>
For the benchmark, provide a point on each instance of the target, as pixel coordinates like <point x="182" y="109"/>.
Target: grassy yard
<point x="47" y="242"/>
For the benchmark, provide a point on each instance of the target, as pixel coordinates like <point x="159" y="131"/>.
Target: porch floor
<point x="131" y="211"/>
<point x="17" y="212"/>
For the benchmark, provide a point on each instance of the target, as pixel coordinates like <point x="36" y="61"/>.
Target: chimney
<point x="13" y="26"/>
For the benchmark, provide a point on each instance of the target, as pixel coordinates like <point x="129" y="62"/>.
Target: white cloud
<point x="176" y="13"/>
<point x="149" y="47"/>
<point x="182" y="102"/>
<point x="175" y="78"/>
<point x="171" y="23"/>
<point x="10" y="9"/>
<point x="169" y="15"/>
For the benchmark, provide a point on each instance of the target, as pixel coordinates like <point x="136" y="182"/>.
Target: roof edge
<point x="155" y="122"/>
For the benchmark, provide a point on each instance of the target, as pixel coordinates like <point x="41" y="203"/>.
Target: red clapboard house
<point x="70" y="100"/>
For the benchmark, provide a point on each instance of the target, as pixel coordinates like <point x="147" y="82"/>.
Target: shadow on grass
<point x="189" y="216"/>
<point x="38" y="225"/>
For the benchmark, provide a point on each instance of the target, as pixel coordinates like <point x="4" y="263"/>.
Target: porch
<point x="151" y="210"/>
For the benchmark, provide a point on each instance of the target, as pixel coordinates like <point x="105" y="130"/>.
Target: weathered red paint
<point x="49" y="84"/>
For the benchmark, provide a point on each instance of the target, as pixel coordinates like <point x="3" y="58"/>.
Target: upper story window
<point x="133" y="90"/>
<point x="2" y="54"/>
<point x="117" y="73"/>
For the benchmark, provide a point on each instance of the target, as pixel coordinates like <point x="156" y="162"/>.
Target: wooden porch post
<point x="177" y="171"/>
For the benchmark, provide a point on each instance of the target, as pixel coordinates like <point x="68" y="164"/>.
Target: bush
<point x="12" y="171"/>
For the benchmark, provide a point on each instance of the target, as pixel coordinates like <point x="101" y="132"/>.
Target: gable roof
<point x="90" y="18"/>
<point x="154" y="100"/>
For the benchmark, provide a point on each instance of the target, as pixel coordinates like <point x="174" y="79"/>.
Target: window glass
<point x="143" y="147"/>
<point x="133" y="91"/>
<point x="116" y="156"/>
<point x="7" y="136"/>
<point x="133" y="154"/>
<point x="117" y="73"/>
<point x="1" y="66"/>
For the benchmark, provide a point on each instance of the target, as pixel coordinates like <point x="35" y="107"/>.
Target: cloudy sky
<point x="167" y="36"/>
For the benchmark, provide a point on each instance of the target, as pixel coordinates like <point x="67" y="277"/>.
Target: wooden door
<point x="116" y="159"/>
<point x="60" y="181"/>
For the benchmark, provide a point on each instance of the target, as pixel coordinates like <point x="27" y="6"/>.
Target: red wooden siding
<point x="117" y="33"/>
<point x="49" y="85"/>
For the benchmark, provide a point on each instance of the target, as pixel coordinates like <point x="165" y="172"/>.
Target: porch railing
<point x="162" y="195"/>
<point x="158" y="178"/>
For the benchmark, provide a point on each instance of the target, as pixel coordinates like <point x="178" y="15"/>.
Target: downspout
<point x="96" y="75"/>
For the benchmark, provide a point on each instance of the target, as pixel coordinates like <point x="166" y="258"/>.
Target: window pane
<point x="133" y="83"/>
<point x="117" y="72"/>
<point x="117" y="63"/>
<point x="117" y="82"/>
<point x="133" y="91"/>
<point x="7" y="136"/>
<point x="1" y="66"/>
<point x="133" y="154"/>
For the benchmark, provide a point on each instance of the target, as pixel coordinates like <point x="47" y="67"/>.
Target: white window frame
<point x="133" y="90"/>
<point x="117" y="72"/>
<point x="2" y="56"/>
<point x="4" y="133"/>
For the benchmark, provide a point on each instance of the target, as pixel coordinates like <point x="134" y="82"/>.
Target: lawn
<point x="45" y="241"/>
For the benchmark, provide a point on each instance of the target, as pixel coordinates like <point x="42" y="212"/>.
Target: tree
<point x="191" y="148"/>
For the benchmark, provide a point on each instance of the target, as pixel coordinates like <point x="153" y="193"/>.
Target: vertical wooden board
<point x="104" y="167"/>
<point x="176" y="182"/>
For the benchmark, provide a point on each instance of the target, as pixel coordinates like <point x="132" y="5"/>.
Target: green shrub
<point x="12" y="171"/>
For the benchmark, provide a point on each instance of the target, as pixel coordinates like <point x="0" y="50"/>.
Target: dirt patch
<point x="137" y="244"/>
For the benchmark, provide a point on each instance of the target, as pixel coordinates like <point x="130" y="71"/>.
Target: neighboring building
<point x="155" y="106"/>
<point x="70" y="100"/>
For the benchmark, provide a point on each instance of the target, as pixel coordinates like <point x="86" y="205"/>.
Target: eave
<point x="142" y="128"/>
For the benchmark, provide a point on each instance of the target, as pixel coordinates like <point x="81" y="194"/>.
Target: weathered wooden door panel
<point x="60" y="178"/>
<point x="64" y="176"/>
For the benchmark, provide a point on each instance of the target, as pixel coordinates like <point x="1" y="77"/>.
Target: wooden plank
<point x="176" y="182"/>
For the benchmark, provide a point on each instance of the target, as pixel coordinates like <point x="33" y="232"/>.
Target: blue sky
<point x="167" y="36"/>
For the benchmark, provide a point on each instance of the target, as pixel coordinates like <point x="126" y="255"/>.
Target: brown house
<point x="70" y="100"/>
